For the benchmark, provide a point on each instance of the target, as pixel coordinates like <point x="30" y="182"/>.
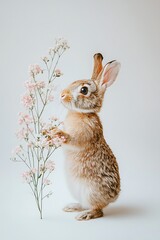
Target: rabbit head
<point x="87" y="95"/>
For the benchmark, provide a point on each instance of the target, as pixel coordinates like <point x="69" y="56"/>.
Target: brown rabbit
<point x="92" y="169"/>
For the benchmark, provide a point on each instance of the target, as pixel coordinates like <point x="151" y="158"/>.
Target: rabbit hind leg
<point x="90" y="214"/>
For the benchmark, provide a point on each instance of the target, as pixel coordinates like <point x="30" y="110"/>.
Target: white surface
<point x="128" y="31"/>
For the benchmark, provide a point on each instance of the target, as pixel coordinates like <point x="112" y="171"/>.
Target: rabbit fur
<point x="91" y="168"/>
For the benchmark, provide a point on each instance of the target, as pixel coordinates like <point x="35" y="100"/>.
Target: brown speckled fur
<point x="89" y="159"/>
<point x="95" y="162"/>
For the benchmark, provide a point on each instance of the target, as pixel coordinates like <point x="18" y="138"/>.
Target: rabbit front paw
<point x="73" y="207"/>
<point x="65" y="138"/>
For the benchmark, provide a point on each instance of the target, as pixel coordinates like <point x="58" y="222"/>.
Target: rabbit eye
<point x="84" y="90"/>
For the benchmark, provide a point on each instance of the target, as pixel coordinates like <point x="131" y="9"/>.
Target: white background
<point x="120" y="29"/>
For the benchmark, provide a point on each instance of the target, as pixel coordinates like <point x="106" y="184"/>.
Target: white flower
<point x="60" y="44"/>
<point x="46" y="182"/>
<point x="58" y="73"/>
<point x="45" y="59"/>
<point x="50" y="166"/>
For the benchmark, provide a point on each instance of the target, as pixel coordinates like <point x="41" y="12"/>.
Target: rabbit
<point x="91" y="168"/>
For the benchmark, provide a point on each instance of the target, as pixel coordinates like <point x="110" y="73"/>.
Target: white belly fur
<point x="78" y="187"/>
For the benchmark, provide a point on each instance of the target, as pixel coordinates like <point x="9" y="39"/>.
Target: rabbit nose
<point x="66" y="96"/>
<point x="65" y="93"/>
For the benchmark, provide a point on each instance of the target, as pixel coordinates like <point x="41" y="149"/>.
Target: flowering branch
<point x="38" y="138"/>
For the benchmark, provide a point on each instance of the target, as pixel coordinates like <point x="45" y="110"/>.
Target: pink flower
<point x="24" y="118"/>
<point x="50" y="166"/>
<point x="34" y="70"/>
<point x="46" y="182"/>
<point x="50" y="98"/>
<point x="27" y="176"/>
<point x="17" y="150"/>
<point x="58" y="73"/>
<point x="57" y="141"/>
<point x="21" y="134"/>
<point x="45" y="143"/>
<point x="27" y="100"/>
<point x="30" y="86"/>
<point x="40" y="84"/>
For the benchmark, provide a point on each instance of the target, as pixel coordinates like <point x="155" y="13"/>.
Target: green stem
<point x="37" y="199"/>
<point x="34" y="121"/>
<point x="38" y="91"/>
<point x="24" y="161"/>
<point x="29" y="156"/>
<point x="37" y="155"/>
<point x="50" y="79"/>
<point x="42" y="191"/>
<point x="32" y="156"/>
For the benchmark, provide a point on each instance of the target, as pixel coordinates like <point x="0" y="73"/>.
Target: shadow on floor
<point x="112" y="211"/>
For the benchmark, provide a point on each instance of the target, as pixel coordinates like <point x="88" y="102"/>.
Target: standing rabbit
<point x="91" y="168"/>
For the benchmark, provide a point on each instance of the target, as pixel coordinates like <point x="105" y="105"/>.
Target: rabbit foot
<point x="87" y="215"/>
<point x="73" y="207"/>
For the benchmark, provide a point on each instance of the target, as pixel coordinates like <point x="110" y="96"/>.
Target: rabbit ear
<point x="109" y="73"/>
<point x="97" y="65"/>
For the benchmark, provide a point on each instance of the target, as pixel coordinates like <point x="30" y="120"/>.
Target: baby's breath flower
<point x="46" y="182"/>
<point x="58" y="73"/>
<point x="38" y="137"/>
<point x="24" y="118"/>
<point x="53" y="118"/>
<point x="45" y="59"/>
<point x="27" y="176"/>
<point x="60" y="45"/>
<point x="28" y="100"/>
<point x="50" y="98"/>
<point x="34" y="69"/>
<point x="50" y="165"/>
<point x="32" y="86"/>
<point x="22" y="133"/>
<point x="16" y="150"/>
